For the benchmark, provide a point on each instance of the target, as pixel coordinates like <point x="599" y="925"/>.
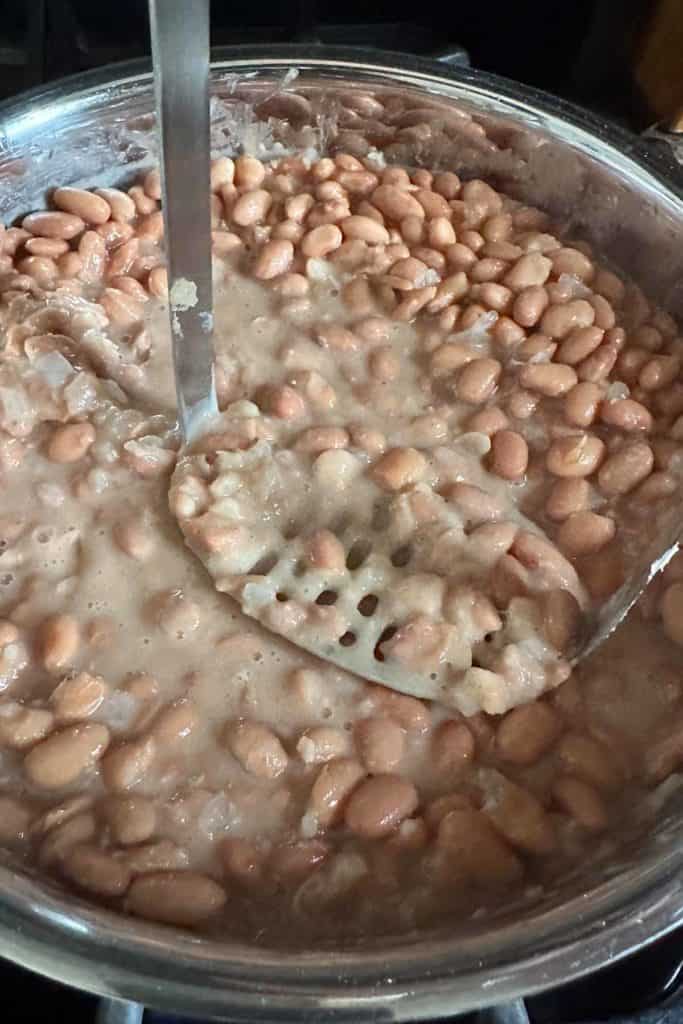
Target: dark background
<point x="581" y="49"/>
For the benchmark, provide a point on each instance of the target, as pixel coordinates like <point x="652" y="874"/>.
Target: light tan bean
<point x="131" y="819"/>
<point x="79" y="828"/>
<point x="61" y="758"/>
<point x="275" y="258"/>
<point x="561" y="619"/>
<point x="21" y="727"/>
<point x="378" y="805"/>
<point x="71" y="442"/>
<point x="578" y="455"/>
<point x="581" y="404"/>
<point x="53" y="225"/>
<point x="52" y="247"/>
<point x="531" y="270"/>
<point x="381" y="744"/>
<point x="478" y="380"/>
<point x="585" y="532"/>
<point x="333" y="785"/>
<point x="559" y="320"/>
<point x="96" y="871"/>
<point x="566" y="497"/>
<point x="396" y="204"/>
<point x="579" y="344"/>
<point x="460" y="257"/>
<point x="123" y="310"/>
<point x="321" y="439"/>
<point x="321" y="241"/>
<point x="257" y="749"/>
<point x="537" y="348"/>
<point x="90" y="207"/>
<point x="123" y="258"/>
<point x="509" y="455"/>
<point x="183" y="898"/>
<point x="157" y="282"/>
<point x="474" y="850"/>
<point x="626" y="468"/>
<point x="251" y="207"/>
<point x="365" y="229"/>
<point x="321" y="744"/>
<point x="474" y="504"/>
<point x="58" y="641"/>
<point x="597" y="366"/>
<point x="551" y="379"/>
<point x="399" y="468"/>
<point x="529" y="305"/>
<point x="129" y="764"/>
<point x="77" y="697"/>
<point x="626" y="414"/>
<point x="488" y="421"/>
<point x="248" y="172"/>
<point x="121" y="205"/>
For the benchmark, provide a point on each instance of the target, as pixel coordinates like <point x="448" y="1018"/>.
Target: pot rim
<point x="59" y="935"/>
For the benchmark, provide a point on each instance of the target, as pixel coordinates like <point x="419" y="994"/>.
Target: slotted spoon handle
<point x="180" y="53"/>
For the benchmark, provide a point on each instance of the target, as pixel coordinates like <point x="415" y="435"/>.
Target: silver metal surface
<point x="180" y="51"/>
<point x="606" y="185"/>
<point x="655" y="556"/>
<point x="119" y="1011"/>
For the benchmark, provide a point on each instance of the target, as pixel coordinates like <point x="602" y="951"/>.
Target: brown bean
<point x="77" y="697"/>
<point x="582" y="801"/>
<point x="566" y="497"/>
<point x="183" y="898"/>
<point x="579" y="344"/>
<point x="131" y="819"/>
<point x="378" y="805"/>
<point x="598" y="366"/>
<point x="396" y="204"/>
<point x="528" y="732"/>
<point x="59" y="640"/>
<point x="509" y="455"/>
<point x="127" y="765"/>
<point x="588" y="760"/>
<point x="333" y="785"/>
<point x="477" y="381"/>
<point x="251" y="207"/>
<point x="365" y="229"/>
<point x="275" y="258"/>
<point x="399" y="468"/>
<point x="453" y="748"/>
<point x="121" y="205"/>
<point x="659" y="372"/>
<point x="96" y="871"/>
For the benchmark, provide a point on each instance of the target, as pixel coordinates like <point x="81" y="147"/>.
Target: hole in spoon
<point x="327" y="597"/>
<point x="359" y="551"/>
<point x="385" y="635"/>
<point x="368" y="605"/>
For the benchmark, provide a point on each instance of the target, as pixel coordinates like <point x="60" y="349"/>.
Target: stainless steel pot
<point x="604" y="184"/>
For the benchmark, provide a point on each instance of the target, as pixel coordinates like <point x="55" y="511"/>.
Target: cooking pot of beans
<point x="194" y="813"/>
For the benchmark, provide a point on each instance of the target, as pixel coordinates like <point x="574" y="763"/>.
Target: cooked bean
<point x="378" y="805"/>
<point x="549" y="379"/>
<point x="381" y="744"/>
<point x="333" y="785"/>
<point x="78" y="697"/>
<point x="585" y="532"/>
<point x="626" y="414"/>
<point x="183" y="898"/>
<point x="96" y="871"/>
<point x="274" y="258"/>
<point x="589" y="761"/>
<point x="579" y="344"/>
<point x="90" y="207"/>
<point x="578" y="455"/>
<point x="321" y="241"/>
<point x="396" y="204"/>
<point x="626" y="468"/>
<point x="509" y="455"/>
<point x="127" y="765"/>
<point x="59" y="640"/>
<point x="453" y="748"/>
<point x="257" y="749"/>
<point x="567" y="496"/>
<point x="477" y="381"/>
<point x="131" y="819"/>
<point x="559" y="320"/>
<point x="581" y="404"/>
<point x="61" y="758"/>
<point x="597" y="366"/>
<point x="53" y="225"/>
<point x="70" y="443"/>
<point x="527" y="733"/>
<point x="659" y="372"/>
<point x="582" y="801"/>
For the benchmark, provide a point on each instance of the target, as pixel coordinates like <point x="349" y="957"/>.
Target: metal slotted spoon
<point x="180" y="48"/>
<point x="180" y="53"/>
